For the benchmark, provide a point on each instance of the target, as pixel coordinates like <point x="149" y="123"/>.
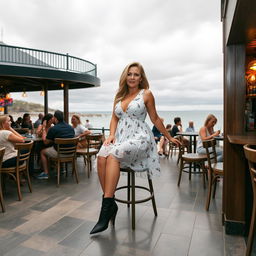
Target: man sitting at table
<point x="59" y="130"/>
<point x="177" y="127"/>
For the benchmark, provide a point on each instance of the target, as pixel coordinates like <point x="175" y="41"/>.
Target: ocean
<point x="100" y="119"/>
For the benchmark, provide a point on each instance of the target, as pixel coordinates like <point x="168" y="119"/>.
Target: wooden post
<point x="45" y="99"/>
<point x="65" y="96"/>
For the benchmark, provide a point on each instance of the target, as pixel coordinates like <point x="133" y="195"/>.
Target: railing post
<point x="67" y="61"/>
<point x="96" y="72"/>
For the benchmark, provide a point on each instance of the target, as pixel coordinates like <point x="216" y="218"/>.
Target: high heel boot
<point x="108" y="212"/>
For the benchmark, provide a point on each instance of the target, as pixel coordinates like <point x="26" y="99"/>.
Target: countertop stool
<point x="250" y="154"/>
<point x="131" y="188"/>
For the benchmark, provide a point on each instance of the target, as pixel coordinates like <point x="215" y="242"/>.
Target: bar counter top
<point x="242" y="139"/>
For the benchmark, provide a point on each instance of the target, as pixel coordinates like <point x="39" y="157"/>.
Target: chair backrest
<point x="22" y="130"/>
<point x="210" y="147"/>
<point x="181" y="145"/>
<point x="2" y="151"/>
<point x="24" y="151"/>
<point x="66" y="147"/>
<point x="94" y="141"/>
<point x="250" y="154"/>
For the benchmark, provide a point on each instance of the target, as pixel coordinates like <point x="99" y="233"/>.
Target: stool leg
<point x="133" y="199"/>
<point x="251" y="231"/>
<point x="153" y="197"/>
<point x="128" y="187"/>
<point x="2" y="199"/>
<point x="181" y="170"/>
<point x="190" y="167"/>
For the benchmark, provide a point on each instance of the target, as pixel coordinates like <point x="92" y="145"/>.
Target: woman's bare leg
<point x="101" y="165"/>
<point x="112" y="175"/>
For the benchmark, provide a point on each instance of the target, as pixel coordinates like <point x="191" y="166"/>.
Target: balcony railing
<point x="45" y="59"/>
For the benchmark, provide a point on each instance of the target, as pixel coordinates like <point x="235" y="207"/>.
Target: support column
<point x="45" y="99"/>
<point x="65" y="96"/>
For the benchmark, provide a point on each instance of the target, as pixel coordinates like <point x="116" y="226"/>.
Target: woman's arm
<point x="39" y="130"/>
<point x="15" y="133"/>
<point x="14" y="138"/>
<point x="150" y="105"/>
<point x="203" y="134"/>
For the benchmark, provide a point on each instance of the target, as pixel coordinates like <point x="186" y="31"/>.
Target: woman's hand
<point x="109" y="140"/>
<point x="216" y="133"/>
<point x="175" y="141"/>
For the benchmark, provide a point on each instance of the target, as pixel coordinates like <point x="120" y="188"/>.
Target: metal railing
<point x="50" y="60"/>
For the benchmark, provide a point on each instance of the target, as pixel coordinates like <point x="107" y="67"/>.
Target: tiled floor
<point x="57" y="221"/>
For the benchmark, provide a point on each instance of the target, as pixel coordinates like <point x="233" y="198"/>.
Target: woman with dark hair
<point x="47" y="123"/>
<point x="27" y="123"/>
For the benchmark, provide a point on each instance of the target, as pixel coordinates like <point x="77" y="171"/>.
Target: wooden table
<point x="192" y="139"/>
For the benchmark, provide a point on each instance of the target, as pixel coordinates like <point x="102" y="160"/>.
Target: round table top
<point x="188" y="133"/>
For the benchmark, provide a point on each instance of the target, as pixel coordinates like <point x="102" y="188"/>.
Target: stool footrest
<point x="136" y="201"/>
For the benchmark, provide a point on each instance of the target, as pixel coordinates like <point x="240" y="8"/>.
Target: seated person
<point x="8" y="138"/>
<point x="80" y="130"/>
<point x="190" y="127"/>
<point x="47" y="123"/>
<point x="60" y="130"/>
<point x="177" y="127"/>
<point x="27" y="123"/>
<point x="206" y="133"/>
<point x="159" y="138"/>
<point x="18" y="122"/>
<point x="39" y="121"/>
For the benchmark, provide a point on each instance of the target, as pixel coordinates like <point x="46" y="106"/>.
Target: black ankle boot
<point x="108" y="212"/>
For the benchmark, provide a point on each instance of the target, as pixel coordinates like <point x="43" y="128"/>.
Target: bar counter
<point x="237" y="190"/>
<point x="242" y="139"/>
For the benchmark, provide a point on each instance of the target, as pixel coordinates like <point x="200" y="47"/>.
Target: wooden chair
<point x="22" y="166"/>
<point x="94" y="142"/>
<point x="66" y="153"/>
<point x="2" y="150"/>
<point x="22" y="130"/>
<point x="131" y="195"/>
<point x="191" y="158"/>
<point x="215" y="169"/>
<point x="250" y="154"/>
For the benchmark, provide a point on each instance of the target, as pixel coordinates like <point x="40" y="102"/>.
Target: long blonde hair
<point x="208" y="118"/>
<point x="123" y="88"/>
<point x="3" y="118"/>
<point x="78" y="118"/>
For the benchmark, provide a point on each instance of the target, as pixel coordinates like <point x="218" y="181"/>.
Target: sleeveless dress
<point x="135" y="145"/>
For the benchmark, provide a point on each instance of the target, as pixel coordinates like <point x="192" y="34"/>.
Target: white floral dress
<point x="135" y="145"/>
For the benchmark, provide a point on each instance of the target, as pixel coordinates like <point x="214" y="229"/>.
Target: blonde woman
<point x="8" y="137"/>
<point x="207" y="133"/>
<point x="131" y="143"/>
<point x="80" y="130"/>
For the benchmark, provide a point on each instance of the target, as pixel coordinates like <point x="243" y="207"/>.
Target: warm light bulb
<point x="62" y="85"/>
<point x="42" y="93"/>
<point x="8" y="96"/>
<point x="24" y="94"/>
<point x="252" y="78"/>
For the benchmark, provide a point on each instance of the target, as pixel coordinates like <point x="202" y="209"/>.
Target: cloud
<point x="178" y="43"/>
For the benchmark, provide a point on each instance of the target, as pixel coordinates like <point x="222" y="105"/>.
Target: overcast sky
<point x="179" y="43"/>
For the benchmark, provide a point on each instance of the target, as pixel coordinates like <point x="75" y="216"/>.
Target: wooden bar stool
<point x="131" y="199"/>
<point x="250" y="154"/>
